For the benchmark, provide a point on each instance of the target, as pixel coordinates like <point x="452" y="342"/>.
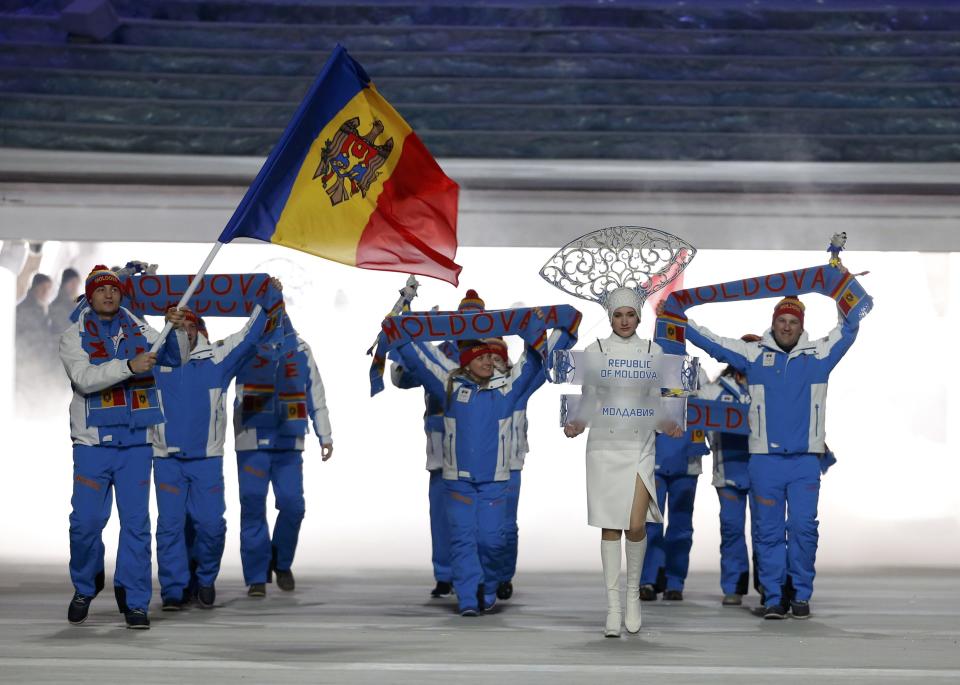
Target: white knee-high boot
<point x="610" y="554"/>
<point x="635" y="553"/>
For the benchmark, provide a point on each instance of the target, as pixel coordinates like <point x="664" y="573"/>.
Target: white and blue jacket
<point x="731" y="452"/>
<point x="477" y="421"/>
<point x="273" y="439"/>
<point x="86" y="378"/>
<point x="788" y="391"/>
<point x="195" y="394"/>
<point x="433" y="414"/>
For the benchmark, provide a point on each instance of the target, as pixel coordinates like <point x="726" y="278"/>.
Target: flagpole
<point x="188" y="294"/>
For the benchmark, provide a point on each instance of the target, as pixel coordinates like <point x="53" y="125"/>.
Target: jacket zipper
<point x="816" y="428"/>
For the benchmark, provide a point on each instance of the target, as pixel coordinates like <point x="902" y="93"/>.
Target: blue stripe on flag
<point x="258" y="212"/>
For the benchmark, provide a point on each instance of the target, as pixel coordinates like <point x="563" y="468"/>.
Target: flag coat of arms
<point x="350" y="181"/>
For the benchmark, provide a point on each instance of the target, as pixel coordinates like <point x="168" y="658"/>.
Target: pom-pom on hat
<point x="623" y="297"/>
<point x="471" y="302"/>
<point x="789" y="305"/>
<point x="100" y="275"/>
<point x="471" y="349"/>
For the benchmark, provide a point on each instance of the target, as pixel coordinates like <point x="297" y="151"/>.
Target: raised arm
<point x="403" y="378"/>
<point x="733" y="351"/>
<point x="838" y="341"/>
<point x="559" y="339"/>
<point x="526" y="376"/>
<point x="419" y="360"/>
<point x="237" y="348"/>
<point x="176" y="348"/>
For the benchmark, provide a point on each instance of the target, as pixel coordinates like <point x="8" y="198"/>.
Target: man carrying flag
<point x="114" y="410"/>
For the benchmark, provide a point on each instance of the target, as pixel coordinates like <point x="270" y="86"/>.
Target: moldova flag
<point x="350" y="181"/>
<point x="675" y="332"/>
<point x="848" y="301"/>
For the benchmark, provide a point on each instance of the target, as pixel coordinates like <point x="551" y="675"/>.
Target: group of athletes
<point x="135" y="412"/>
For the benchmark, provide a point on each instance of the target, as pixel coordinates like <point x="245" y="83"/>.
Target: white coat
<point x="615" y="456"/>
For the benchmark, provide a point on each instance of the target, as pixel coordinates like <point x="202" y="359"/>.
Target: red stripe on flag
<point x="414" y="226"/>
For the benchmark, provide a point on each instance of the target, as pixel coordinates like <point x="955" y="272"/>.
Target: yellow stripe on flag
<point x="312" y="220"/>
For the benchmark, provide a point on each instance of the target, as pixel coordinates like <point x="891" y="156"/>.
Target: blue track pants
<point x="99" y="474"/>
<point x="785" y="490"/>
<point x="439" y="528"/>
<point x="189" y="489"/>
<point x="258" y="469"/>
<point x="671" y="551"/>
<point x="476" y="514"/>
<point x="511" y="529"/>
<point x="734" y="556"/>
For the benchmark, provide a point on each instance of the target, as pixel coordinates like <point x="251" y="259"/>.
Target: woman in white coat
<point x="621" y="495"/>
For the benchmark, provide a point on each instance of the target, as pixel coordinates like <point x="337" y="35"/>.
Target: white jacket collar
<point x="804" y="344"/>
<point x="497" y="380"/>
<point x="632" y="340"/>
<point x="203" y="349"/>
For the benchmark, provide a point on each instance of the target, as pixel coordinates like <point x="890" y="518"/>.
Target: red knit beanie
<point x="498" y="346"/>
<point x="471" y="302"/>
<point x="471" y="349"/>
<point x="100" y="275"/>
<point x="789" y="305"/>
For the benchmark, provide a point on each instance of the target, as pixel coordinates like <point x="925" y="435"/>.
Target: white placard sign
<point x="626" y="391"/>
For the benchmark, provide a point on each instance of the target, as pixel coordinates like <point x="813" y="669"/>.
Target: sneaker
<point x="648" y="593"/>
<point x="470" y="613"/>
<point x="732" y="600"/>
<point x="505" y="590"/>
<point x="489" y="608"/>
<point x="774" y="612"/>
<point x="120" y="593"/>
<point x="137" y="619"/>
<point x="285" y="580"/>
<point x="257" y="590"/>
<point x="79" y="606"/>
<point x="206" y="596"/>
<point x="443" y="589"/>
<point x="171" y="604"/>
<point x="800" y="608"/>
<point x="673" y="595"/>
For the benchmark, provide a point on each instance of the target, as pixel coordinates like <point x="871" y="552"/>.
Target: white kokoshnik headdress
<point x="619" y="266"/>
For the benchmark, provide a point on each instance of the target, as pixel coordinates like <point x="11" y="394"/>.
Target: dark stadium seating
<point x="847" y="80"/>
